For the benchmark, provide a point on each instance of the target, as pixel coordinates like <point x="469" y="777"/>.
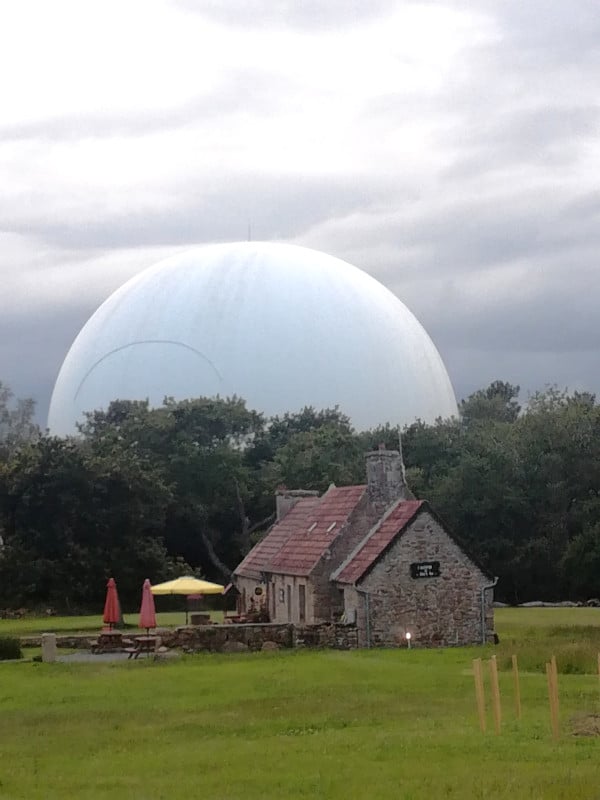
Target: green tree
<point x="72" y="519"/>
<point x="199" y="447"/>
<point x="17" y="424"/>
<point x="499" y="402"/>
<point x="315" y="459"/>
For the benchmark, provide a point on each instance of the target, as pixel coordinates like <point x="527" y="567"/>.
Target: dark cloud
<point x="33" y="347"/>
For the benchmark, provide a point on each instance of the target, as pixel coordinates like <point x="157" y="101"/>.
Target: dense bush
<point x="10" y="647"/>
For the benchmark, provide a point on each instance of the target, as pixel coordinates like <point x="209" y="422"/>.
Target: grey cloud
<point x="448" y="235"/>
<point x="545" y="137"/>
<point x="551" y="32"/>
<point x="538" y="33"/>
<point x="240" y="91"/>
<point x="219" y="209"/>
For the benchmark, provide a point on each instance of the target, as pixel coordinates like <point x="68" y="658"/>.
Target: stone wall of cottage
<point x="437" y="611"/>
<point x="328" y="596"/>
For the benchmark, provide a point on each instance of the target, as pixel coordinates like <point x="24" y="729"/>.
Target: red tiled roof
<point x="310" y="540"/>
<point x="377" y="540"/>
<point x="261" y="554"/>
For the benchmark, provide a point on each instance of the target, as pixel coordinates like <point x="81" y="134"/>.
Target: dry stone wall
<point x="233" y="638"/>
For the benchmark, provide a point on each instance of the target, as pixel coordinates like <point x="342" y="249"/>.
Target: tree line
<point x="151" y="492"/>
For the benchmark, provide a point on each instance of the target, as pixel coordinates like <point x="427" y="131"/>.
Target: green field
<point x="368" y="724"/>
<point x="29" y="626"/>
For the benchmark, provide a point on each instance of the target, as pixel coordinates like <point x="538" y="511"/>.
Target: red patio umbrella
<point x="112" y="609"/>
<point x="147" y="611"/>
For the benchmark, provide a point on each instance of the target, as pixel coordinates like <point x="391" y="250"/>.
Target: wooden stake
<point x="479" y="692"/>
<point x="495" y="694"/>
<point x="555" y="686"/>
<point x="553" y="696"/>
<point x="515" y="667"/>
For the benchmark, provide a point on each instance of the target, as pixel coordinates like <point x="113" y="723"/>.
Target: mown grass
<point x="535" y="634"/>
<point x="29" y="626"/>
<point x="375" y="724"/>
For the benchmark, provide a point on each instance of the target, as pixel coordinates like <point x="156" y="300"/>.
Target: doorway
<point x="302" y="602"/>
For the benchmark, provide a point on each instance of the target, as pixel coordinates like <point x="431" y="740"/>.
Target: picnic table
<point x="143" y="645"/>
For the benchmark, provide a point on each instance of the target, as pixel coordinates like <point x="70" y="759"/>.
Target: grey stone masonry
<point x="221" y="638"/>
<point x="385" y="478"/>
<point x="442" y="610"/>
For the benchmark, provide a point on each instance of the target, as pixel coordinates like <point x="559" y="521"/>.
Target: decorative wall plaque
<point x="425" y="569"/>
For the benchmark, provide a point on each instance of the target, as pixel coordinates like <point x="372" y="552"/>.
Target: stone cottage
<point x="369" y="555"/>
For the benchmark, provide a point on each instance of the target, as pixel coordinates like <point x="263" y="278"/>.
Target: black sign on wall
<point x="425" y="569"/>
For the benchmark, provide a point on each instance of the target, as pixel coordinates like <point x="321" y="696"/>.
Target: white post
<point x="49" y="647"/>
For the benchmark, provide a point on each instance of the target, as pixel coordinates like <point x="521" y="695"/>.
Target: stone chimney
<point x="286" y="499"/>
<point x="386" y="482"/>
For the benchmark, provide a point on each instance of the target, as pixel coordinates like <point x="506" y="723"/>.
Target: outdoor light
<point x="408" y="638"/>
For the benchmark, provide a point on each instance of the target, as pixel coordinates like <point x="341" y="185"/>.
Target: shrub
<point x="10" y="647"/>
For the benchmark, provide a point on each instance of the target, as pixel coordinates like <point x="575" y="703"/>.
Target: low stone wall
<point x="334" y="635"/>
<point x="231" y="638"/>
<point x="220" y="638"/>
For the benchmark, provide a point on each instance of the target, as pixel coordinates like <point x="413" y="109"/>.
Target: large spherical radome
<point x="279" y="325"/>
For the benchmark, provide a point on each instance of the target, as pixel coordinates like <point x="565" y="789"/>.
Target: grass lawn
<point x="28" y="626"/>
<point x="364" y="724"/>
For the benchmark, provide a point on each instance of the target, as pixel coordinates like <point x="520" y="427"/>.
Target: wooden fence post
<point x="515" y="667"/>
<point x="479" y="692"/>
<point x="495" y="694"/>
<point x="552" y="678"/>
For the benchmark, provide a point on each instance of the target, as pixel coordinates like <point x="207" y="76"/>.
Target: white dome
<point x="279" y="325"/>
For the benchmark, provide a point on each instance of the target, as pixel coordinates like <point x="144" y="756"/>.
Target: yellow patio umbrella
<point x="187" y="585"/>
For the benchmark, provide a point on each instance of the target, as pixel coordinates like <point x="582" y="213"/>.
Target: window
<point x="289" y="602"/>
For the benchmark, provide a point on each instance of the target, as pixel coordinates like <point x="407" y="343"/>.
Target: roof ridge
<point x="373" y="531"/>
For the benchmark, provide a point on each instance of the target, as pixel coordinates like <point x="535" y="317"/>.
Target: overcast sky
<point x="450" y="149"/>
